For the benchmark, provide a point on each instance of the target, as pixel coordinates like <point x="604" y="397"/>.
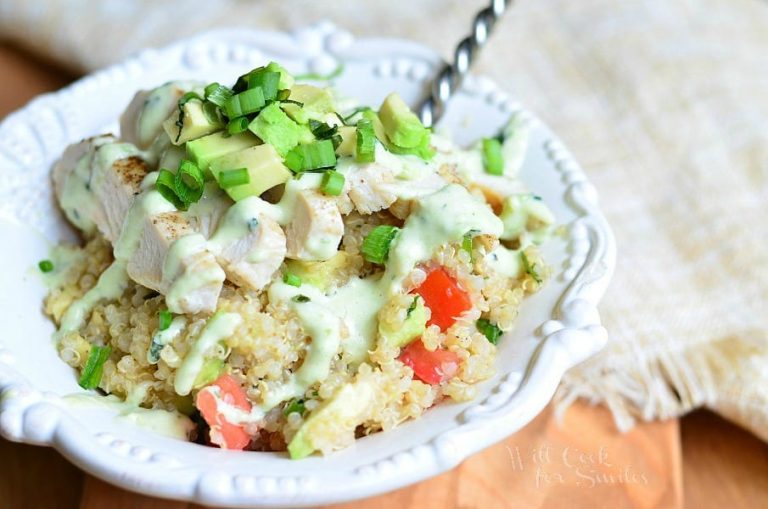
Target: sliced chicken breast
<point x="315" y="232"/>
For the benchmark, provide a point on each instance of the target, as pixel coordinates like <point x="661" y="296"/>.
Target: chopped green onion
<point x="529" y="268"/>
<point x="333" y="183"/>
<point x="184" y="100"/>
<point x="94" y="367"/>
<point x="412" y="307"/>
<point x="322" y="77"/>
<point x="283" y="95"/>
<point x="354" y="112"/>
<point x="232" y="178"/>
<point x="366" y="142"/>
<point x="245" y="103"/>
<point x="489" y="330"/>
<point x="375" y="247"/>
<point x="166" y="186"/>
<point x="189" y="182"/>
<point x="218" y="94"/>
<point x="291" y="279"/>
<point x="323" y="131"/>
<point x="466" y="245"/>
<point x="238" y="125"/>
<point x="45" y="266"/>
<point x="295" y="405"/>
<point x="317" y="155"/>
<point x="267" y="81"/>
<point x="164" y="319"/>
<point x="300" y="298"/>
<point x="492" y="157"/>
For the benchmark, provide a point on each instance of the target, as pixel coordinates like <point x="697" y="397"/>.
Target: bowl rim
<point x="572" y="334"/>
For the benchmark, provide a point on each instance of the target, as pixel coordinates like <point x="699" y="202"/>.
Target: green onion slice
<point x="218" y="94"/>
<point x="164" y="319"/>
<point x="529" y="268"/>
<point x="492" y="157"/>
<point x="166" y="186"/>
<point x="333" y="183"/>
<point x="238" y="125"/>
<point x="245" y="103"/>
<point x="489" y="330"/>
<point x="366" y="142"/>
<point x="317" y="155"/>
<point x="295" y="405"/>
<point x="189" y="182"/>
<point x="300" y="299"/>
<point x="94" y="367"/>
<point x="232" y="178"/>
<point x="376" y="244"/>
<point x="267" y="81"/>
<point x="45" y="266"/>
<point x="322" y="77"/>
<point x="291" y="279"/>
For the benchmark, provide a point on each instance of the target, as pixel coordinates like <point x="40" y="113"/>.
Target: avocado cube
<point x="413" y="326"/>
<point x="273" y="126"/>
<point x="286" y="80"/>
<point x="319" y="274"/>
<point x="317" y="101"/>
<point x="265" y="170"/>
<point x="348" y="144"/>
<point x="194" y="124"/>
<point x="402" y="126"/>
<point x="204" y="150"/>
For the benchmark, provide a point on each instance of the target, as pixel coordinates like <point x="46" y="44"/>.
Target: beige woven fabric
<point x="664" y="102"/>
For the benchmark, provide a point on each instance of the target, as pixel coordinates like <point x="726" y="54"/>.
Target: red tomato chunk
<point x="223" y="433"/>
<point x="430" y="367"/>
<point x="445" y="299"/>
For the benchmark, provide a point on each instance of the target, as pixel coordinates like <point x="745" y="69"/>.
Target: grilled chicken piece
<point x="251" y="258"/>
<point x="367" y="188"/>
<point x="173" y="260"/>
<point x="205" y="215"/>
<point x="142" y="121"/>
<point x="315" y="232"/>
<point x="115" y="184"/>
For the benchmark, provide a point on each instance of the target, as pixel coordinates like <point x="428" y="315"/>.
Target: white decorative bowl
<point x="557" y="328"/>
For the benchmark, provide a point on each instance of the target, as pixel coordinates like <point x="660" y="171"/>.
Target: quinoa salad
<point x="278" y="268"/>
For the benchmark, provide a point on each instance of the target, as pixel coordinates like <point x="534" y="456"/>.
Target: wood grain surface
<point x="585" y="463"/>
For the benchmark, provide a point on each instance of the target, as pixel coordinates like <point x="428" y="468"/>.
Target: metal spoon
<point x="450" y="76"/>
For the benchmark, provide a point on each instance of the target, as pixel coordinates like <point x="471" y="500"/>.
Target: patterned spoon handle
<point x="449" y="79"/>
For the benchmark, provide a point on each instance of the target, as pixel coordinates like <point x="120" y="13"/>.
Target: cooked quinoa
<point x="271" y="340"/>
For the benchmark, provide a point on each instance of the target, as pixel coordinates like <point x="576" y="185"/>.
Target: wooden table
<point x="700" y="459"/>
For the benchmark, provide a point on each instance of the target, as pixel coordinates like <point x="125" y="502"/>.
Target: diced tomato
<point x="430" y="367"/>
<point x="443" y="296"/>
<point x="225" y="390"/>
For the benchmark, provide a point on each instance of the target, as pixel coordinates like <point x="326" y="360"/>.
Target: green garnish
<point x="412" y="307"/>
<point x="291" y="279"/>
<point x="45" y="266"/>
<point x="333" y="183"/>
<point x="245" y="103"/>
<point x="166" y="186"/>
<point x="218" y="94"/>
<point x="375" y="247"/>
<point x="300" y="298"/>
<point x="184" y="100"/>
<point x="322" y="77"/>
<point x="295" y="405"/>
<point x="492" y="157"/>
<point x="489" y="330"/>
<point x="164" y="319"/>
<point x="366" y="142"/>
<point x="189" y="182"/>
<point x="238" y="125"/>
<point x="323" y="131"/>
<point x="94" y="367"/>
<point x="267" y="81"/>
<point x="232" y="178"/>
<point x="359" y="109"/>
<point x="529" y="268"/>
<point x="317" y="155"/>
<point x="466" y="245"/>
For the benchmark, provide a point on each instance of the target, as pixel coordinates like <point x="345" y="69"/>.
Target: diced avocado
<point x="273" y="126"/>
<point x="341" y="414"/>
<point x="402" y="126"/>
<point x="414" y="326"/>
<point x="210" y="371"/>
<point x="204" y="150"/>
<point x="378" y="127"/>
<point x="265" y="170"/>
<point x="319" y="274"/>
<point x="317" y="101"/>
<point x="296" y="112"/>
<point x="348" y="143"/>
<point x="195" y="123"/>
<point x="171" y="158"/>
<point x="286" y="80"/>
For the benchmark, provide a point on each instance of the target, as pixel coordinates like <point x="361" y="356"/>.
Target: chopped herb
<point x="489" y="330"/>
<point x="232" y="178"/>
<point x="529" y="268"/>
<point x="354" y="112"/>
<point x="45" y="266"/>
<point x="253" y="223"/>
<point x="164" y="319"/>
<point x="375" y="246"/>
<point x="184" y="100"/>
<point x="333" y="183"/>
<point x="366" y="142"/>
<point x="412" y="307"/>
<point x="318" y="155"/>
<point x="155" y="347"/>
<point x="322" y="77"/>
<point x="466" y="244"/>
<point x="166" y="186"/>
<point x="238" y="125"/>
<point x="300" y="298"/>
<point x="189" y="182"/>
<point x="94" y="367"/>
<point x="492" y="156"/>
<point x="295" y="405"/>
<point x="291" y="279"/>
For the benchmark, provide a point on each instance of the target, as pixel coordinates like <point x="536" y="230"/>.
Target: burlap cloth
<point x="664" y="102"/>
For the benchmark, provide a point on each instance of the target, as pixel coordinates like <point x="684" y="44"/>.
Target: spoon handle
<point x="449" y="79"/>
